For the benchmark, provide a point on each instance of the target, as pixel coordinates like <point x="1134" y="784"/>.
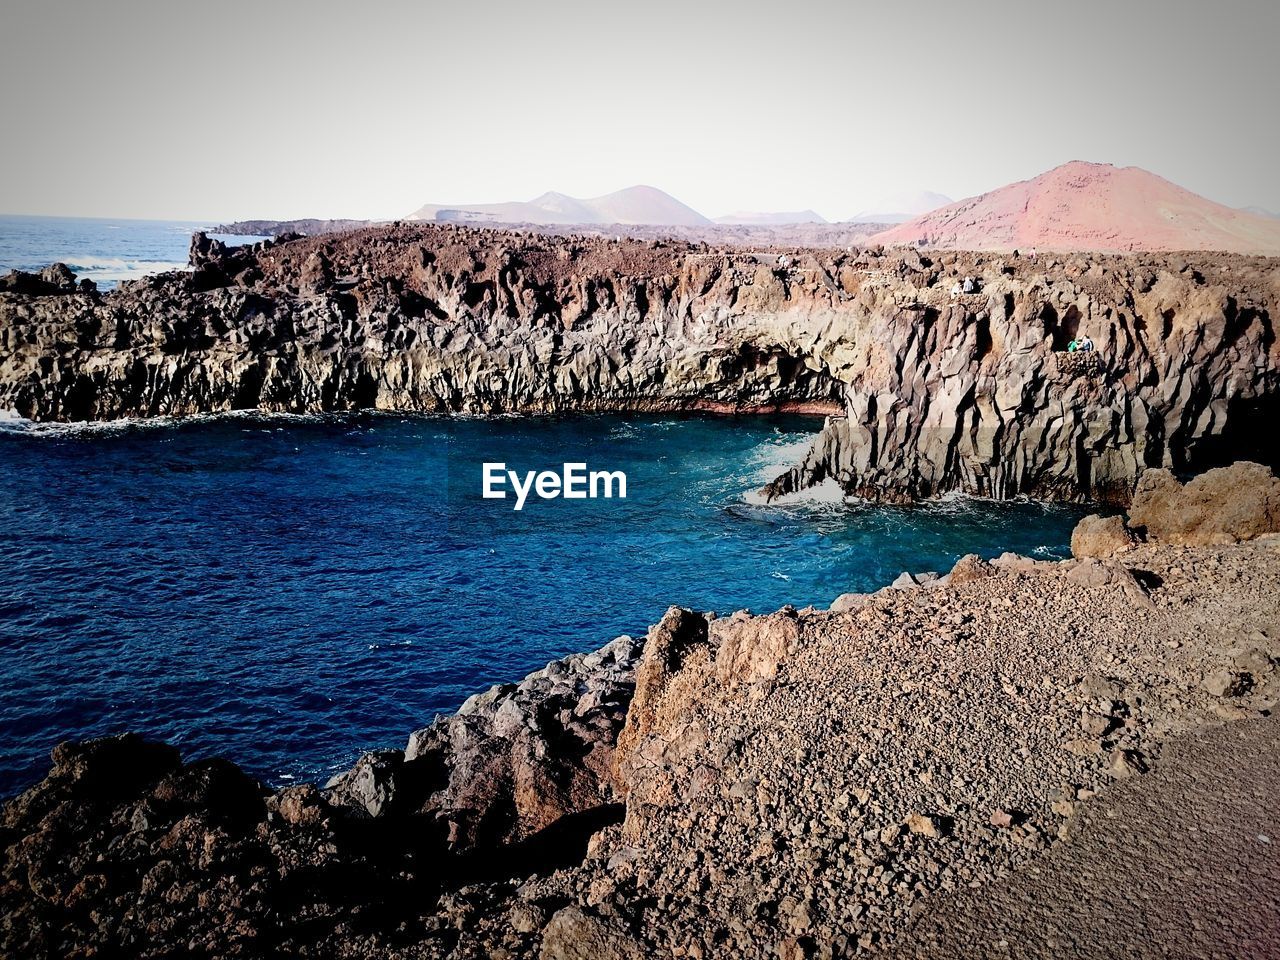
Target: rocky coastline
<point x="930" y="391"/>
<point x="805" y="783"/>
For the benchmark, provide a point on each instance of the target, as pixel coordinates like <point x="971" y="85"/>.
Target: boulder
<point x="514" y="759"/>
<point x="1100" y="537"/>
<point x="1227" y="683"/>
<point x="749" y="649"/>
<point x="923" y="825"/>
<point x="60" y="277"/>
<point x="575" y="934"/>
<point x="371" y="785"/>
<point x="969" y="568"/>
<point x="849" y="602"/>
<point x="53" y="280"/>
<point x="1226" y="505"/>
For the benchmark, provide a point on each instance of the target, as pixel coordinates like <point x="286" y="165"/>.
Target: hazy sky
<point x="280" y="109"/>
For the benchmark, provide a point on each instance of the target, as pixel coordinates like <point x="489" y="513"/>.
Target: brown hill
<point x="1090" y="206"/>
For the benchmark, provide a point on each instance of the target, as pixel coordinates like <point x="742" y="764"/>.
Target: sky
<point x="281" y="109"/>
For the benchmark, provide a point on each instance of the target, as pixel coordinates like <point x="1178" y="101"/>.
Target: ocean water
<point x="105" y="251"/>
<point x="291" y="591"/>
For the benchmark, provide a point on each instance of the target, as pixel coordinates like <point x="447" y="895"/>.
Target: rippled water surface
<point x="103" y="250"/>
<point x="290" y="592"/>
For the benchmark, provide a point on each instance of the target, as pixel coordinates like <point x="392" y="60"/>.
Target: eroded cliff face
<point x="930" y="391"/>
<point x="430" y="319"/>
<point x="977" y="393"/>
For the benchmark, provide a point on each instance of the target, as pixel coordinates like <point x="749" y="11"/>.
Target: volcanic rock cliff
<point x="935" y="390"/>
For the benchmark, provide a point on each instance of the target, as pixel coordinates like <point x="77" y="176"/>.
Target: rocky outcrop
<point x="930" y="392"/>
<point x="124" y="851"/>
<point x="1227" y="505"/>
<point x="53" y="280"/>
<point x="519" y="758"/>
<point x="978" y="393"/>
<point x="1100" y="537"/>
<point x="432" y="319"/>
<point x="126" y="848"/>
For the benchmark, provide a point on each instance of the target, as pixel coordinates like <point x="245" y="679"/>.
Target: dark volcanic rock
<point x="124" y="851"/>
<point x="520" y="757"/>
<point x="54" y="279"/>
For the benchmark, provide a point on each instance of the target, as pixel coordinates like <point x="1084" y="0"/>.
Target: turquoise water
<point x="289" y="592"/>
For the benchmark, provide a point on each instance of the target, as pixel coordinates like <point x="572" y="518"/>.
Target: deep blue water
<point x="290" y="592"/>
<point x="105" y="251"/>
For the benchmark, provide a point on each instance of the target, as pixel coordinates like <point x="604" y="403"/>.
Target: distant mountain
<point x="753" y="218"/>
<point x="634" y="205"/>
<point x="1090" y="206"/>
<point x="900" y="207"/>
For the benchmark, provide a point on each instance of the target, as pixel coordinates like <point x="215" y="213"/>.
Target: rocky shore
<point x="1016" y="758"/>
<point x="929" y="390"/>
<point x="929" y="770"/>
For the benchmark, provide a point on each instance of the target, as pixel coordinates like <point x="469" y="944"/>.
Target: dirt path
<point x="1181" y="863"/>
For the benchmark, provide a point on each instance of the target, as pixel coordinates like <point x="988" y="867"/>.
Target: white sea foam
<point x="828" y="493"/>
<point x="11" y="422"/>
<point x="117" y="269"/>
<point x="778" y="454"/>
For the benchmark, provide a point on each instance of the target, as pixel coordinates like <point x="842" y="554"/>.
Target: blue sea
<point x="289" y="592"/>
<point x="105" y="251"/>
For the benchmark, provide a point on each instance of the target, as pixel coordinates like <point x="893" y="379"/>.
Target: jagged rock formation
<point x="513" y="761"/>
<point x="939" y="390"/>
<point x="977" y="392"/>
<point x="124" y="847"/>
<point x="124" y="851"/>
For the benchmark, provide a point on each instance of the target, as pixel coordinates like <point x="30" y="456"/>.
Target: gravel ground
<point x="851" y="774"/>
<point x="1181" y="862"/>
